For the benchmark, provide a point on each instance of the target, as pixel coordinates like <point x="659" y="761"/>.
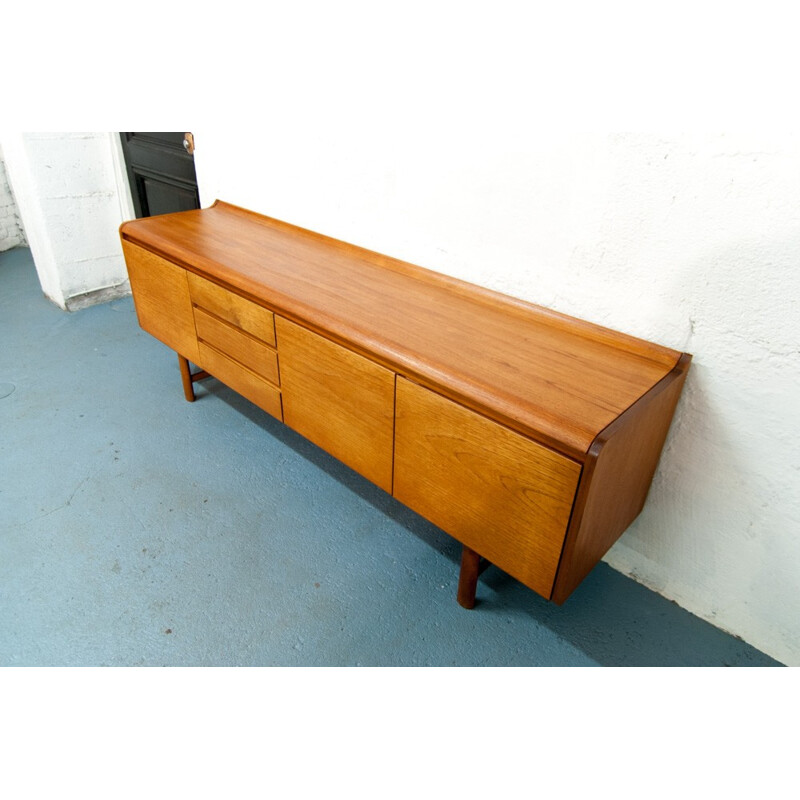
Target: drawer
<point x="250" y="352"/>
<point x="496" y="491"/>
<point x="241" y="380"/>
<point x="244" y="314"/>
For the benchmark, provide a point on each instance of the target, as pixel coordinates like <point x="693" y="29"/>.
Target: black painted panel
<point x="161" y="197"/>
<point x="161" y="173"/>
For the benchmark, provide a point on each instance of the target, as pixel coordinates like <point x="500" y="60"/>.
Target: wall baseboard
<point x="96" y="296"/>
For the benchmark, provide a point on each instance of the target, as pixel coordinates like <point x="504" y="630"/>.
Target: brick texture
<point x="12" y="233"/>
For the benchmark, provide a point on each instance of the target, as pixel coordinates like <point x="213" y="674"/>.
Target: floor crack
<point x="63" y="505"/>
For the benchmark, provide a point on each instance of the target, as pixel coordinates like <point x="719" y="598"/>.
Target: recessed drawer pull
<point x="241" y="380"/>
<point x="245" y="314"/>
<point x="250" y="352"/>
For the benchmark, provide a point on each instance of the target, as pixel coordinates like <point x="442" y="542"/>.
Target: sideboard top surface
<point x="556" y="378"/>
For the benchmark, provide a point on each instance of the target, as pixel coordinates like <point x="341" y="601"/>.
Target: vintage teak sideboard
<point x="529" y="436"/>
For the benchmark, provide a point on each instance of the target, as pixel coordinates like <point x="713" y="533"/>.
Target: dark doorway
<point x="161" y="172"/>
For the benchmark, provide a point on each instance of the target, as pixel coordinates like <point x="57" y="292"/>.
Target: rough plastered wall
<point x="691" y="241"/>
<point x="68" y="194"/>
<point x="11" y="231"/>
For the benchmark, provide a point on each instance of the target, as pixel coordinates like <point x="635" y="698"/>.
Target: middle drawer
<point x="250" y="352"/>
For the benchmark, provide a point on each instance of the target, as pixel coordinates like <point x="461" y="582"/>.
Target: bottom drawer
<point x="241" y="380"/>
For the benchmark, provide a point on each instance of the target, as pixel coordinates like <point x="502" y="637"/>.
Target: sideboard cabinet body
<point x="529" y="436"/>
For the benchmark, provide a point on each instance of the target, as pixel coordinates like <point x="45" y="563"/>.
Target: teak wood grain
<point x="241" y="347"/>
<point x="339" y="400"/>
<point x="530" y="436"/>
<point x="550" y="376"/>
<point x="161" y="299"/>
<point x="617" y="476"/>
<point x="244" y="314"/>
<point x="242" y="380"/>
<point x="499" y="493"/>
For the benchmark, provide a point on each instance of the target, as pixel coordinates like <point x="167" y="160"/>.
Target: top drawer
<point x="244" y="314"/>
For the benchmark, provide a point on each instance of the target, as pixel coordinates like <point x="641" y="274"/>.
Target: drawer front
<point x="339" y="400"/>
<point x="161" y="296"/>
<point x="250" y="352"/>
<point x="244" y="314"/>
<point x="241" y="380"/>
<point x="494" y="490"/>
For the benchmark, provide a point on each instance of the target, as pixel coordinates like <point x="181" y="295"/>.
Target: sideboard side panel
<point x="616" y="479"/>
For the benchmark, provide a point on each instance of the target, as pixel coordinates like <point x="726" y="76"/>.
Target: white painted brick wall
<point x="691" y="241"/>
<point x="12" y="233"/>
<point x="67" y="188"/>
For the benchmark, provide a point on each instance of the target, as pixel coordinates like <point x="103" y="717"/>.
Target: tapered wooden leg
<point x="186" y="377"/>
<point x="468" y="577"/>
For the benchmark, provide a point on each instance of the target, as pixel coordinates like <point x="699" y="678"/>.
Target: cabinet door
<point x="161" y="296"/>
<point x="496" y="491"/>
<point x="338" y="399"/>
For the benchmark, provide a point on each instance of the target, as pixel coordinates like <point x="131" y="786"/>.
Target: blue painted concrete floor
<point x="138" y="529"/>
